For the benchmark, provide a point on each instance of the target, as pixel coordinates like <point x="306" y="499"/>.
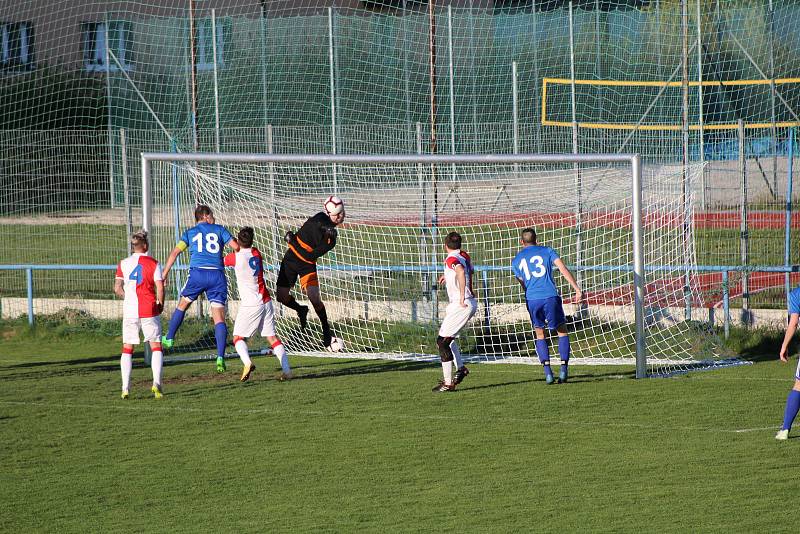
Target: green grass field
<point x="364" y="446"/>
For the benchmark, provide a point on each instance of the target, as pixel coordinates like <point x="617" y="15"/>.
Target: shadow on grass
<point x="76" y="361"/>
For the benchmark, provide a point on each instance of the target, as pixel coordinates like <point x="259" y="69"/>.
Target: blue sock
<point x="563" y="351"/>
<point x="221" y="335"/>
<point x="544" y="356"/>
<point x="175" y="323"/>
<point x="792" y="407"/>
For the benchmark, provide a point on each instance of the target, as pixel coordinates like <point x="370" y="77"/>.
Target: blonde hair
<point x="139" y="239"/>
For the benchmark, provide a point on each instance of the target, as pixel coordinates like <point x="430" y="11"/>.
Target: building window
<point x="119" y="38"/>
<point x="205" y="45"/>
<point x="16" y="46"/>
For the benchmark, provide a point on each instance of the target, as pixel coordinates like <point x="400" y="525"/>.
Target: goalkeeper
<point x="314" y="239"/>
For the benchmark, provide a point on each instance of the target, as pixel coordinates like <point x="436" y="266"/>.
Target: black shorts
<point x="293" y="268"/>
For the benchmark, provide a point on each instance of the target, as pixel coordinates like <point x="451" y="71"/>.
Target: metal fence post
<point x="29" y="284"/>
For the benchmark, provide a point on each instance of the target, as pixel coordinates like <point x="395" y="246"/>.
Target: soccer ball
<point x="333" y="205"/>
<point x="337" y="345"/>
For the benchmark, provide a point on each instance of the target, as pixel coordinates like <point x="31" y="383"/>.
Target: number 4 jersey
<point x="139" y="274"/>
<point x="533" y="265"/>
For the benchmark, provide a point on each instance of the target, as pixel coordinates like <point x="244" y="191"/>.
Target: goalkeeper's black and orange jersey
<point x="316" y="237"/>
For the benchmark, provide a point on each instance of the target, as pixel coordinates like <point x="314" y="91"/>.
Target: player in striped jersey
<point x="139" y="282"/>
<point x="205" y="242"/>
<point x="457" y="278"/>
<point x="255" y="304"/>
<point x="533" y="267"/>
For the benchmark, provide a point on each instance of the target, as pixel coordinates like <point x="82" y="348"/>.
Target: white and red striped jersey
<point x="249" y="268"/>
<point x="458" y="257"/>
<point x="139" y="274"/>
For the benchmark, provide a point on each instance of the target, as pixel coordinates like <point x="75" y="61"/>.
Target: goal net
<point x="379" y="283"/>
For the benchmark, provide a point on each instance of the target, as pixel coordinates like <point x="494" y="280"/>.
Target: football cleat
<point x="562" y="375"/>
<point x="782" y="434"/>
<point x="460" y="375"/>
<point x="548" y="378"/>
<point x="221" y="364"/>
<point x="442" y="386"/>
<point x="302" y="316"/>
<point x="327" y="338"/>
<point x="156" y="389"/>
<point x="167" y="343"/>
<point x="125" y="395"/>
<point x="246" y="372"/>
<point x="284" y="377"/>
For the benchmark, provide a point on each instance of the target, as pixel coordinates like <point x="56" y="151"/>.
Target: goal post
<point x="636" y="251"/>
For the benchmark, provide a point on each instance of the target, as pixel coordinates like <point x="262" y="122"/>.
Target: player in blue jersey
<point x="793" y="400"/>
<point x="533" y="267"/>
<point x="206" y="242"/>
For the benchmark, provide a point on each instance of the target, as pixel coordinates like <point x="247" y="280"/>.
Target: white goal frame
<point x="634" y="160"/>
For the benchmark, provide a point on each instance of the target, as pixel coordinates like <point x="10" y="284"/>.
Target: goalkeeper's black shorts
<point x="293" y="268"/>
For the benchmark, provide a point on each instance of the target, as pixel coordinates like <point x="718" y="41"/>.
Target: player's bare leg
<point x="543" y="352"/>
<point x="175" y="322"/>
<point x="156" y="364"/>
<point x="563" y="352"/>
<point x="312" y="292"/>
<point x="284" y="296"/>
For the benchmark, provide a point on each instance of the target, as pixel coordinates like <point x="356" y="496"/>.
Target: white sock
<point x="244" y="354"/>
<point x="447" y="371"/>
<point x="280" y="352"/>
<point x="457" y="360"/>
<point x="156" y="363"/>
<point x="126" y="366"/>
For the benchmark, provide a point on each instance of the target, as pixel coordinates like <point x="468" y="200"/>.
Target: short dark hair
<point x="245" y="237"/>
<point x="529" y="236"/>
<point x="139" y="239"/>
<point x="453" y="241"/>
<point x="201" y="211"/>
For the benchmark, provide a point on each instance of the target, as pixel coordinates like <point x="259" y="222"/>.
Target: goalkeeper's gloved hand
<point x="288" y="236"/>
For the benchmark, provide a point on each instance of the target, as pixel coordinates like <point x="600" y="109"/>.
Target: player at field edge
<point x="205" y="241"/>
<point x="533" y="268"/>
<point x="139" y="282"/>
<point x="314" y="239"/>
<point x="255" y="312"/>
<point x="457" y="278"/>
<point x="793" y="400"/>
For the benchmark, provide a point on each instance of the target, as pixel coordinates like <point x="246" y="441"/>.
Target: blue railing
<point x="433" y="269"/>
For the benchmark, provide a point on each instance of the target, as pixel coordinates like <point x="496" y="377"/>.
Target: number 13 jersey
<point x="533" y="265"/>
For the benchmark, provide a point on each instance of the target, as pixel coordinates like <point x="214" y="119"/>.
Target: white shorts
<point x="151" y="329"/>
<point x="456" y="317"/>
<point x="797" y="372"/>
<point x="250" y="319"/>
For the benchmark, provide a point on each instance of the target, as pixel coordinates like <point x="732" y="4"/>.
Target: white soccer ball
<point x="337" y="345"/>
<point x="333" y="205"/>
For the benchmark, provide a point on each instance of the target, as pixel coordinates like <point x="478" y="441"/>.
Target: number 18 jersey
<point x="534" y="266"/>
<point x="205" y="243"/>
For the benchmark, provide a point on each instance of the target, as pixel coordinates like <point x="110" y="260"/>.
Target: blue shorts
<point x="547" y="310"/>
<point x="212" y="282"/>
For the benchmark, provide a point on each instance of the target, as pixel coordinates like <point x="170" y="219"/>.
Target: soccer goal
<point x="624" y="229"/>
